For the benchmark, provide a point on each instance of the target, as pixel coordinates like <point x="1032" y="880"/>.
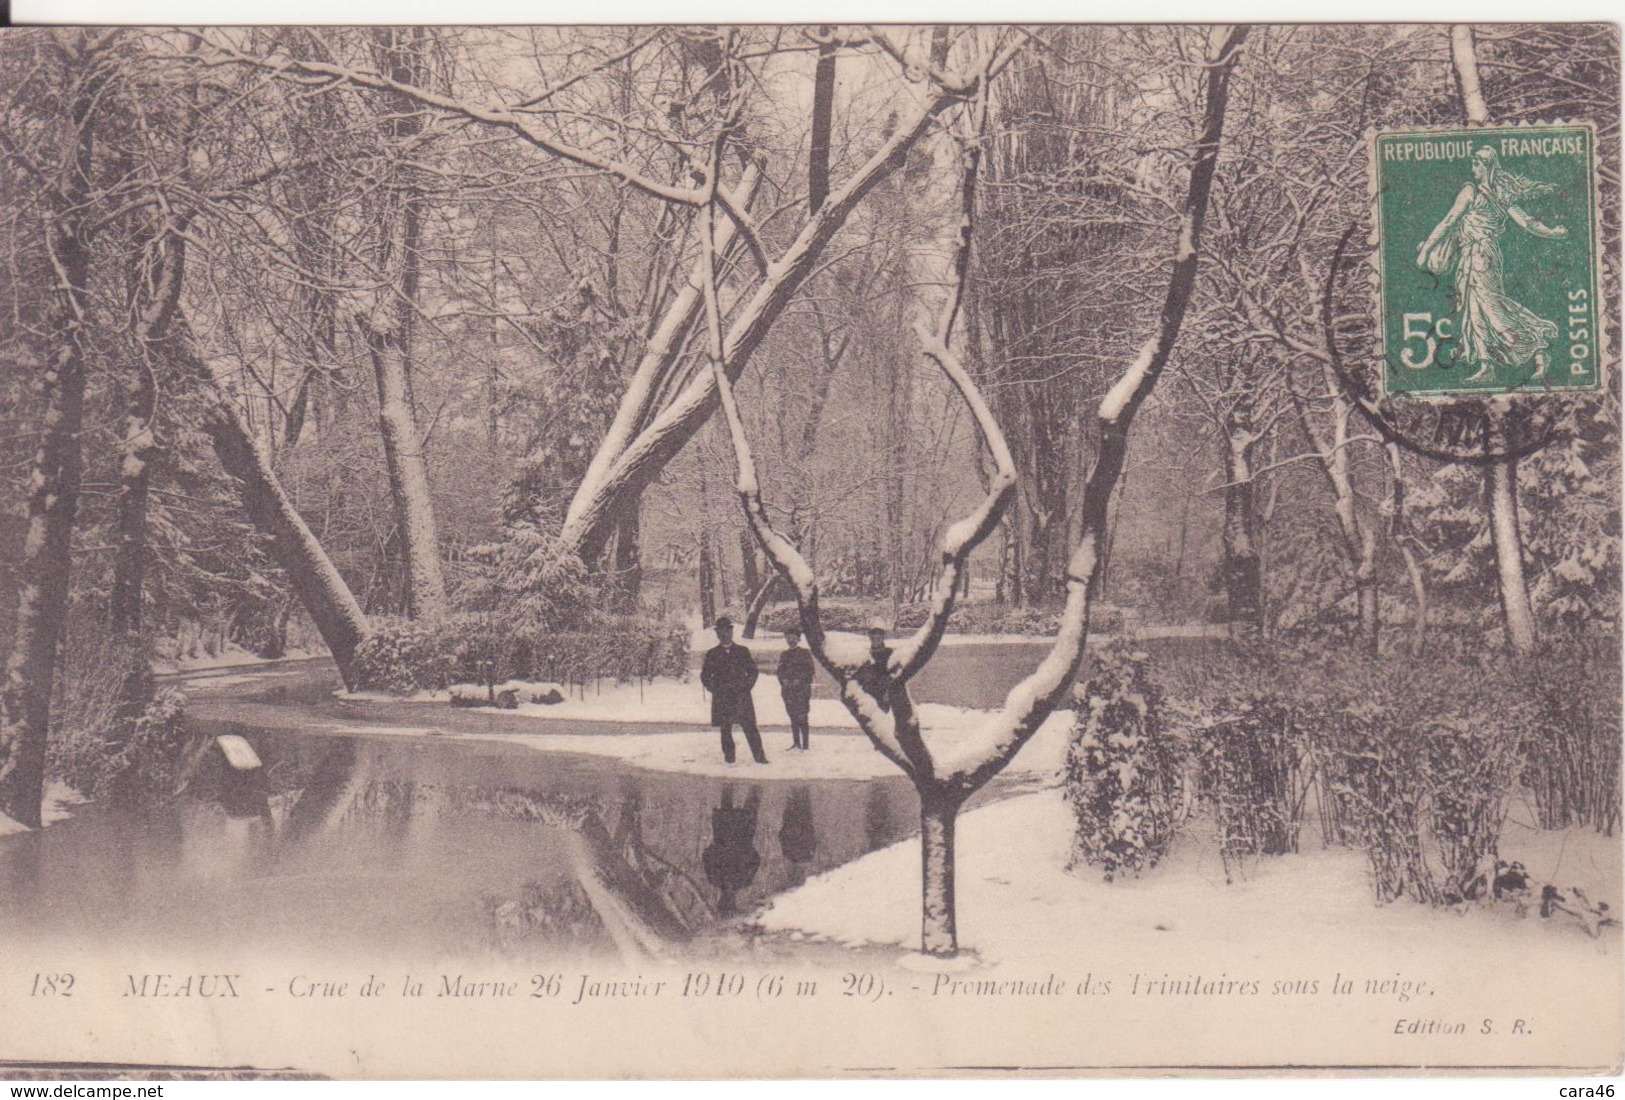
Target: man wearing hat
<point x="795" y="674"/>
<point x="728" y="673"/>
<point x="875" y="677"/>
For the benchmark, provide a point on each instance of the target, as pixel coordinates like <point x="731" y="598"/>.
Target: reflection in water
<point x="731" y="861"/>
<point x="798" y="840"/>
<point x="877" y="819"/>
<point x="361" y="842"/>
<point x="322" y="787"/>
<point x="625" y="886"/>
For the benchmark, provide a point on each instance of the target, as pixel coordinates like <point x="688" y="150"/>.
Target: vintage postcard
<point x="809" y="551"/>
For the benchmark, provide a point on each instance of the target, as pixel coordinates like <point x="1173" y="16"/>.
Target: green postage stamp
<point x="1487" y="255"/>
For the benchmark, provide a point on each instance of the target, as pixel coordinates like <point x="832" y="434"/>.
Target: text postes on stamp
<point x="1487" y="255"/>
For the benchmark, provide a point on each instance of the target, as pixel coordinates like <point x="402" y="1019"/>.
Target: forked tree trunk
<point x="408" y="476"/>
<point x="879" y="698"/>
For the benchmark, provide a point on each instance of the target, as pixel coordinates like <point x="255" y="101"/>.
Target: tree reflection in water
<point x="644" y="903"/>
<point x="348" y="838"/>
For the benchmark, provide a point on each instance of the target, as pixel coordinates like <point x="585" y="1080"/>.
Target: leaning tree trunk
<point x="627" y="463"/>
<point x="53" y="498"/>
<point x="311" y="573"/>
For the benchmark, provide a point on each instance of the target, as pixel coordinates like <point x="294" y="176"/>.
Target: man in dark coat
<point x="795" y="674"/>
<point x="728" y="673"/>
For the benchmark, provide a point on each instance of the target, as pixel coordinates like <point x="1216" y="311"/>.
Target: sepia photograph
<point x="809" y="551"/>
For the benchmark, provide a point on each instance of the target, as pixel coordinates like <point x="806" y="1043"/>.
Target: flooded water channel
<point x="344" y="841"/>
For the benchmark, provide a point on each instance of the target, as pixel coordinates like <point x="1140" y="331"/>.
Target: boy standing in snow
<point x="728" y="673"/>
<point x="795" y="673"/>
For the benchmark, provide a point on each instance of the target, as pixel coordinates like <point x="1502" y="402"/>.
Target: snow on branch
<point x="666" y="433"/>
<point x="873" y="716"/>
<point x="501" y="116"/>
<point x="663" y="347"/>
<point x="1032" y="700"/>
<point x="968" y="533"/>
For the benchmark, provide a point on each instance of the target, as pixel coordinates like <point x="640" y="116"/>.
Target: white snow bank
<point x="232" y="656"/>
<point x="845" y="755"/>
<point x="235" y="679"/>
<point x="58" y="797"/>
<point x="1016" y="900"/>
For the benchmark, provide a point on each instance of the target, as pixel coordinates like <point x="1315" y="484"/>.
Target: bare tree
<point x="879" y="697"/>
<point x="654" y="420"/>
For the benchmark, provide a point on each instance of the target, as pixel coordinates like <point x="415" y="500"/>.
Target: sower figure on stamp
<point x="1494" y="330"/>
<point x="728" y="673"/>
<point x="795" y="673"/>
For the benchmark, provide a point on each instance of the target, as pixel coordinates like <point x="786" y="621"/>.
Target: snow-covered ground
<point x="838" y="750"/>
<point x="1016" y="899"/>
<point x="1292" y="965"/>
<point x="844" y="755"/>
<point x="232" y="656"/>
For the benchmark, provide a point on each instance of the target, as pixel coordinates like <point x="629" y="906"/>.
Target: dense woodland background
<point x="339" y="335"/>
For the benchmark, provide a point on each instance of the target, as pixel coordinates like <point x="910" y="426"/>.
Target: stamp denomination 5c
<point x="1487" y="255"/>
